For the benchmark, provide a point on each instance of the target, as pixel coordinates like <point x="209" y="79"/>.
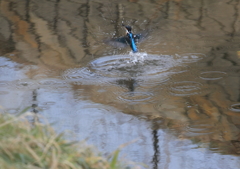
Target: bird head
<point x="128" y="29"/>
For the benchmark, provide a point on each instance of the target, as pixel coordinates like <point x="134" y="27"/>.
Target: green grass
<point x="24" y="145"/>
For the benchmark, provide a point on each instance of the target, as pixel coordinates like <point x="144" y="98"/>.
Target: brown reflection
<point x="62" y="34"/>
<point x="65" y="33"/>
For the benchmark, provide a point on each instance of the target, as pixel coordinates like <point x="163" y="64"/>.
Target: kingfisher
<point x="129" y="39"/>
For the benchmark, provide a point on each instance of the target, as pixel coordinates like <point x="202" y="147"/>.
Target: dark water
<point x="179" y="97"/>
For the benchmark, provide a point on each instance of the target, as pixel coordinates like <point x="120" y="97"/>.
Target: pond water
<point x="178" y="98"/>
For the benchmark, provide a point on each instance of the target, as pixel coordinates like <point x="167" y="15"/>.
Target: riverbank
<point x="26" y="143"/>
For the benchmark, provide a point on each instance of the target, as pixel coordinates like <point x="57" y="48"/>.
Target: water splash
<point x="109" y="69"/>
<point x="138" y="57"/>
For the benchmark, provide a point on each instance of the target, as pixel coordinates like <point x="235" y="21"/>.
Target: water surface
<point x="179" y="96"/>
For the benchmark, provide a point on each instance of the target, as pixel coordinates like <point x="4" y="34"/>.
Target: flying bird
<point x="129" y="39"/>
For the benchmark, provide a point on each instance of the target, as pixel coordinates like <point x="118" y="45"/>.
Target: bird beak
<point x="125" y="29"/>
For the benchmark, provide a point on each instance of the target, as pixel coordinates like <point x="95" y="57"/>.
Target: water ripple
<point x="46" y="105"/>
<point x="199" y="129"/>
<point x="212" y="75"/>
<point x="107" y="70"/>
<point x="51" y="82"/>
<point x="235" y="107"/>
<point x="190" y="57"/>
<point x="4" y="83"/>
<point x="135" y="97"/>
<point x="24" y="83"/>
<point x="79" y="76"/>
<point x="185" y="88"/>
<point x="3" y="92"/>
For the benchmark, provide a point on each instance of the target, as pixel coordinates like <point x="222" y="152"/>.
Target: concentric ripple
<point x="109" y="69"/>
<point x="212" y="75"/>
<point x="147" y="70"/>
<point x="185" y="88"/>
<point x="77" y="75"/>
<point x="199" y="129"/>
<point x="112" y="66"/>
<point x="135" y="97"/>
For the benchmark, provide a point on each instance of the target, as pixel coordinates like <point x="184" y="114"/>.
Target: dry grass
<point x="27" y="146"/>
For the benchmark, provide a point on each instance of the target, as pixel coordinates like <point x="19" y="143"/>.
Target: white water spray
<point x="137" y="57"/>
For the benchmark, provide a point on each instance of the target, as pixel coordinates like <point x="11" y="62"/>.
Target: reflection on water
<point x="179" y="96"/>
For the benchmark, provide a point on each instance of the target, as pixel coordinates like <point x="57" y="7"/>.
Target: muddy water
<point x="178" y="97"/>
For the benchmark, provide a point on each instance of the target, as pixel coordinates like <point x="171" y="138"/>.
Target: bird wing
<point x="121" y="42"/>
<point x="141" y="36"/>
<point x="124" y="41"/>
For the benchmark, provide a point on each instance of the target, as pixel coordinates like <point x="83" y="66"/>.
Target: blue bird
<point x="129" y="39"/>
